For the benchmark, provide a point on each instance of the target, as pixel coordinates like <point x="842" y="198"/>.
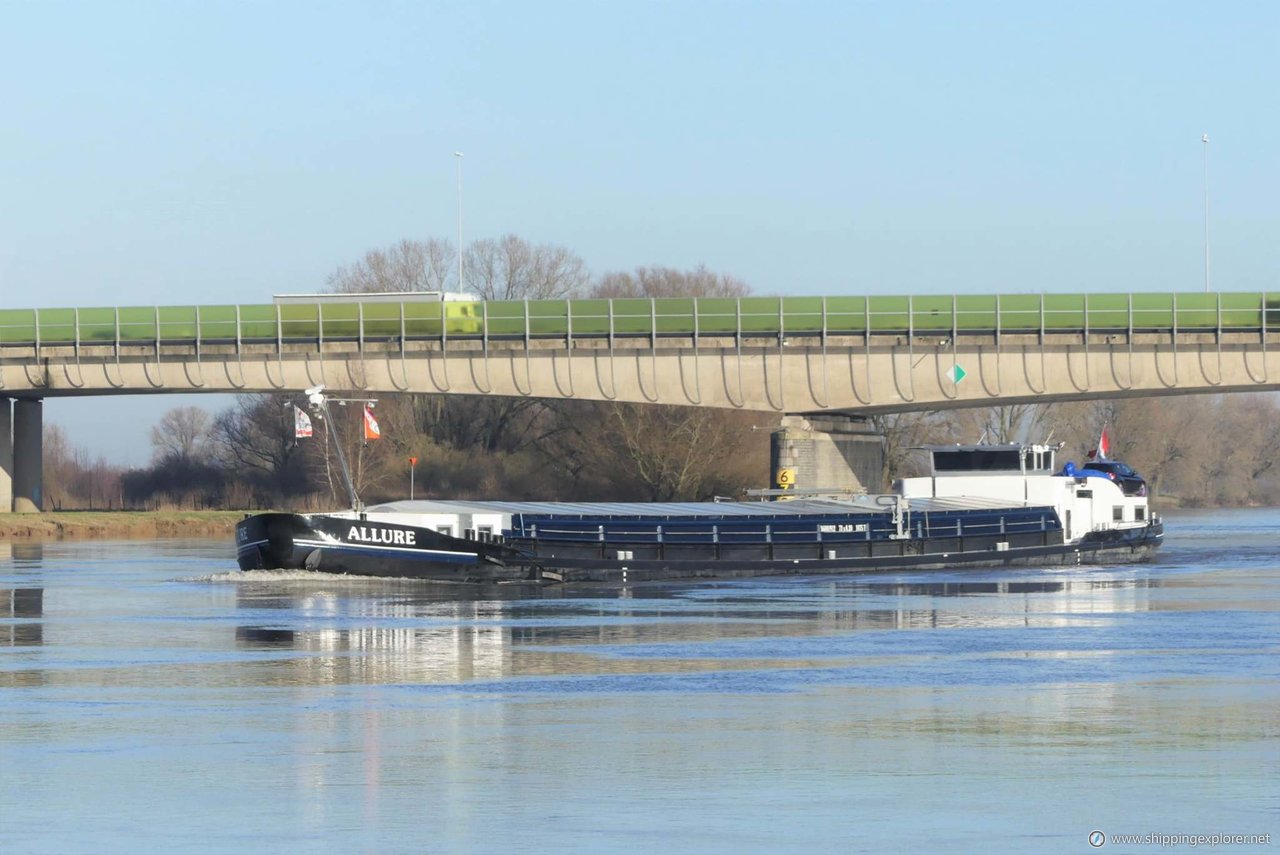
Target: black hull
<point x="357" y="547"/>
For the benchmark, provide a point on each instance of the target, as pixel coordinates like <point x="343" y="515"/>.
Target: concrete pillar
<point x="28" y="456"/>
<point x="6" y="455"/>
<point x="827" y="452"/>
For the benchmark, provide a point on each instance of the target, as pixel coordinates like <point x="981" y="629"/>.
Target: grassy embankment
<point x="117" y="525"/>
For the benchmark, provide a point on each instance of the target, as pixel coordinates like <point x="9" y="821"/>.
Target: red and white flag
<point x="301" y="423"/>
<point x="371" y="429"/>
<point x="1104" y="446"/>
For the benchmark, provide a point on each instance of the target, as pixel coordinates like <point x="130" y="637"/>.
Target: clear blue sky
<point x="224" y="152"/>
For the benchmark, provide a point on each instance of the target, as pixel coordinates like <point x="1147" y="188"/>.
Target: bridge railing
<point x="743" y="318"/>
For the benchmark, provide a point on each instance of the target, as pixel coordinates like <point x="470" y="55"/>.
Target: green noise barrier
<point x="348" y="319"/>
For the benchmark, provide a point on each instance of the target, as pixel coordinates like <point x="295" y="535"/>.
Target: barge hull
<point x="342" y="545"/>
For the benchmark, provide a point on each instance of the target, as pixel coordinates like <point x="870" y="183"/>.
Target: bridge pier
<point x="837" y="452"/>
<point x="26" y="451"/>
<point x="6" y="455"/>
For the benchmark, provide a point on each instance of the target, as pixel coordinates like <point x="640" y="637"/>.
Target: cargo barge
<point x="981" y="506"/>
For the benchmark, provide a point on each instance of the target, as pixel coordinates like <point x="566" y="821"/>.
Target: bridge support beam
<point x="6" y="455"/>
<point x="28" y="456"/>
<point x="836" y="452"/>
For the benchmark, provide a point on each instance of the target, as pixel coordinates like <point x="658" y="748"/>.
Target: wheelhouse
<point x="1010" y="459"/>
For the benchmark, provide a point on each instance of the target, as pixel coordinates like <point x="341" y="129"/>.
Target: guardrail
<point x="747" y="317"/>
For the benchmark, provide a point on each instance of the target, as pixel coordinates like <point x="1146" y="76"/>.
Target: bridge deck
<point x="747" y="317"/>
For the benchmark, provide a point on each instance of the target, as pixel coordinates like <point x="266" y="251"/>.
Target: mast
<point x="316" y="396"/>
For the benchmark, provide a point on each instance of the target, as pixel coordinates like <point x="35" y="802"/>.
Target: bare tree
<point x="508" y="268"/>
<point x="665" y="453"/>
<point x="182" y="434"/>
<point x="1163" y="438"/>
<point x="255" y="439"/>
<point x="72" y="479"/>
<point x="669" y="282"/>
<point x="903" y="434"/>
<point x="406" y="266"/>
<point x="511" y="268"/>
<point x="1259" y="431"/>
<point x="58" y="466"/>
<point x="654" y="452"/>
<point x="1011" y="423"/>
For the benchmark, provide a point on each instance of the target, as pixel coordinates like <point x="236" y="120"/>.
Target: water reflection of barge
<point x="982" y="506"/>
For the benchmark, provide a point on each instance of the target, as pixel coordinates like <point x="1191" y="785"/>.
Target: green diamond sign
<point x="955" y="373"/>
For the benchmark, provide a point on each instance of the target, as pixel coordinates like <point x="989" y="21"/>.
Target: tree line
<point x="1200" y="450"/>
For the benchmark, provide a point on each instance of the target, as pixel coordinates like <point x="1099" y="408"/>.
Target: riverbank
<point x="118" y="525"/>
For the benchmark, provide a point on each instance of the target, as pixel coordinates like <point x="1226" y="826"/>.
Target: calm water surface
<point x="152" y="699"/>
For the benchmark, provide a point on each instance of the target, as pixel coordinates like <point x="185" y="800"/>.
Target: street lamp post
<point x="458" y="155"/>
<point x="413" y="464"/>
<point x="1204" y="138"/>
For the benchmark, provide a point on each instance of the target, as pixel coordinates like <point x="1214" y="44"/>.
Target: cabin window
<point x="484" y="530"/>
<point x="1117" y="513"/>
<point x="445" y="529"/>
<point x="1084" y="494"/>
<point x="977" y="461"/>
<point x="1037" y="460"/>
<point x="1139" y="513"/>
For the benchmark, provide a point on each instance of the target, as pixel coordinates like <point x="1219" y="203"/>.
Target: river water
<point x="153" y="699"/>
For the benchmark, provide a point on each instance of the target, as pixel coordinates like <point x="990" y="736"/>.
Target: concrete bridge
<point x="790" y="355"/>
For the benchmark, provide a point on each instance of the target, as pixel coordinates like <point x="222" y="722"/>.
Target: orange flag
<point x="371" y="429"/>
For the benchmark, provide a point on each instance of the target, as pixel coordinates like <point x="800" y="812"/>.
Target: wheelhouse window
<point x="1014" y="458"/>
<point x="1038" y="459"/>
<point x="1117" y="513"/>
<point x="977" y="461"/>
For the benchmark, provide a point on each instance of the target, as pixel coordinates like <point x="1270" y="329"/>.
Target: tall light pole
<point x="458" y="155"/>
<point x="1204" y="138"/>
